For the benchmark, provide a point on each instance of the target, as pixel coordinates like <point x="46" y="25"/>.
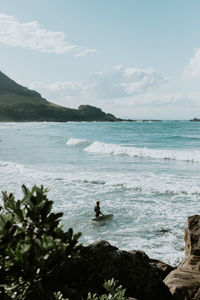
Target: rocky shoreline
<point x="184" y="281"/>
<point x="40" y="261"/>
<point x="195" y="120"/>
<point x="143" y="278"/>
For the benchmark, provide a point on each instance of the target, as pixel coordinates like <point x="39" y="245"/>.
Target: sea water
<point x="145" y="173"/>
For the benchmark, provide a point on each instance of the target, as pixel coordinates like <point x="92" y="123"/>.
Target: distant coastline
<point x="195" y="120"/>
<point x="20" y="104"/>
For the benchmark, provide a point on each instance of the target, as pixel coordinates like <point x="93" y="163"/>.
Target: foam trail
<point x="74" y="142"/>
<point x="99" y="147"/>
<point x="146" y="183"/>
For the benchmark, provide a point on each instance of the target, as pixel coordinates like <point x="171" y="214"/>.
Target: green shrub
<point x="115" y="292"/>
<point x="35" y="252"/>
<point x="33" y="246"/>
<point x="59" y="296"/>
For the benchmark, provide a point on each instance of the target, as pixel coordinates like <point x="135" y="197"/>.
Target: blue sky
<point x="133" y="58"/>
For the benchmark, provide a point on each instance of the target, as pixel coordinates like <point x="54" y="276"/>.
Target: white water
<point x="73" y="142"/>
<point x="146" y="174"/>
<point x="98" y="147"/>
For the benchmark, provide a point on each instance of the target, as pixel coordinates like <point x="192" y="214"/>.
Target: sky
<point x="137" y="59"/>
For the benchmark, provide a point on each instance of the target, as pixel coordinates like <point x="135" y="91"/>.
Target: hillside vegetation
<point x="18" y="103"/>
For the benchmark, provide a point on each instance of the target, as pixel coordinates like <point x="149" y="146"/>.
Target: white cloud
<point x="61" y="87"/>
<point x="117" y="83"/>
<point x="125" y="92"/>
<point x="155" y="105"/>
<point x="192" y="70"/>
<point x="82" y="52"/>
<point x="66" y="93"/>
<point x="30" y="35"/>
<point x="124" y="82"/>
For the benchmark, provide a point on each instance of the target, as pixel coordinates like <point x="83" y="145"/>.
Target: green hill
<point x="18" y="103"/>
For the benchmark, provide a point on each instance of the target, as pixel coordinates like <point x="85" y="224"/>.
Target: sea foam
<point x="104" y="148"/>
<point x="74" y="142"/>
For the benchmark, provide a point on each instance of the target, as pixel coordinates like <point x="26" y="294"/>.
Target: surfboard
<point x="103" y="218"/>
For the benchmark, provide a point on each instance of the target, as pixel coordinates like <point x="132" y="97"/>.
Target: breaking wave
<point x="104" y="148"/>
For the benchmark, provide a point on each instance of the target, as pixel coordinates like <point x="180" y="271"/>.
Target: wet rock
<point x="163" y="231"/>
<point x="161" y="268"/>
<point x="192" y="235"/>
<point x="102" y="261"/>
<point x="184" y="282"/>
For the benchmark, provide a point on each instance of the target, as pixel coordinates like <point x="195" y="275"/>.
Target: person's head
<point x="97" y="203"/>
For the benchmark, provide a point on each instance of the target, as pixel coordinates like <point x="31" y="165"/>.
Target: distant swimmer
<point x="97" y="209"/>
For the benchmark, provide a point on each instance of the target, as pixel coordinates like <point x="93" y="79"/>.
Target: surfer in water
<point x="97" y="210"/>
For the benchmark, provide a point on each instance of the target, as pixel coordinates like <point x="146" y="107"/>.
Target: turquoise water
<point x="145" y="173"/>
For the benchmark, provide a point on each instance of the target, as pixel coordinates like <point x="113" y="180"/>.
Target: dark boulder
<point x="101" y="261"/>
<point x="161" y="268"/>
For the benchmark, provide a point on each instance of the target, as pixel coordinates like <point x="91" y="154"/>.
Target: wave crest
<point x="74" y="142"/>
<point x="103" y="148"/>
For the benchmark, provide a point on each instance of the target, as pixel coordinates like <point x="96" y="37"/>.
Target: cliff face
<point x="18" y="103"/>
<point x="184" y="282"/>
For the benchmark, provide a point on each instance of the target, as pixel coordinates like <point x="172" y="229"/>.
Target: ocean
<point x="145" y="173"/>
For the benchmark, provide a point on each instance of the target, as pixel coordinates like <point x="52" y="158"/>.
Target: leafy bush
<point x="59" y="296"/>
<point x="115" y="292"/>
<point x="36" y="255"/>
<point x="33" y="247"/>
